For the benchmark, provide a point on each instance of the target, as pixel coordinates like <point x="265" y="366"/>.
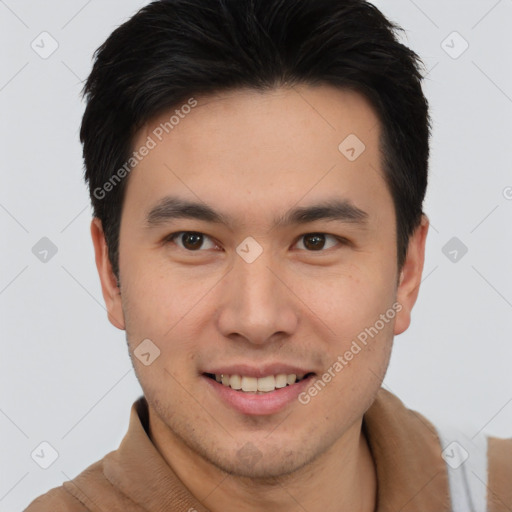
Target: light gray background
<point x="66" y="375"/>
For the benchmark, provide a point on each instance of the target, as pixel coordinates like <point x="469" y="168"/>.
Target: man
<point x="257" y="170"/>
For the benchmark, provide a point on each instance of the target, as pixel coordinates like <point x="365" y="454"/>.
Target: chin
<point x="265" y="471"/>
<point x="265" y="465"/>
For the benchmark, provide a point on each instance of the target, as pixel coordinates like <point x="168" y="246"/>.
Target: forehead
<point x="246" y="148"/>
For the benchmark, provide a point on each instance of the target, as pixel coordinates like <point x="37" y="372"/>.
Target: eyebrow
<point x="170" y="208"/>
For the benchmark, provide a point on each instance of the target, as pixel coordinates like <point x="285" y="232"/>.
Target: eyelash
<point x="171" y="239"/>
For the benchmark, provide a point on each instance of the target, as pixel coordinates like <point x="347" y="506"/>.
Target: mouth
<point x="258" y="385"/>
<point x="265" y="389"/>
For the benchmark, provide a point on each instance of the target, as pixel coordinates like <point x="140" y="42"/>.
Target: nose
<point x="256" y="302"/>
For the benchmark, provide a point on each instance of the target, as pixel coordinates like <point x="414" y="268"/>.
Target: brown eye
<point x="190" y="240"/>
<point x="317" y="241"/>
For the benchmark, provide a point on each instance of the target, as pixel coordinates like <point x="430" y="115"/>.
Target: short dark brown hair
<point x="172" y="50"/>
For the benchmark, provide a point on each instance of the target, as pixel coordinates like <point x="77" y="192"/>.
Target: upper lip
<point x="260" y="371"/>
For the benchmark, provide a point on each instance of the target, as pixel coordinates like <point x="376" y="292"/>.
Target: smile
<point x="256" y="385"/>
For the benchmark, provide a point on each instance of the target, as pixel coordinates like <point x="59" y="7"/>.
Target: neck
<point x="341" y="479"/>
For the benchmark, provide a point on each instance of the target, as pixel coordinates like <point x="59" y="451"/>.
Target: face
<point x="286" y="266"/>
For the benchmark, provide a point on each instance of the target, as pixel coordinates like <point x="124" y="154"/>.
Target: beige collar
<point x="411" y="474"/>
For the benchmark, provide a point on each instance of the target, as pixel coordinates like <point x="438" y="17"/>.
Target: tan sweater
<point x="411" y="474"/>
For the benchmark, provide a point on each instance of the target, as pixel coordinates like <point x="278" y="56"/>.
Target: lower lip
<point x="258" y="404"/>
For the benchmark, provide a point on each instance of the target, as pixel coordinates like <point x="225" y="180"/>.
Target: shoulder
<point x="479" y="469"/>
<point x="90" y="491"/>
<point x="68" y="497"/>
<point x="56" y="500"/>
<point x="499" y="458"/>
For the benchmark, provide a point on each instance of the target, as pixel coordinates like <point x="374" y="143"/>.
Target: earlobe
<point x="109" y="285"/>
<point x="410" y="275"/>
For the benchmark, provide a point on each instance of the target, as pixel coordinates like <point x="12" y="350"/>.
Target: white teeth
<point x="261" y="384"/>
<point x="249" y="384"/>
<point x="235" y="382"/>
<point x="281" y="380"/>
<point x="267" y="383"/>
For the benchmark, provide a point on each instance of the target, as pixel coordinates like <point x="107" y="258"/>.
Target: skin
<point x="253" y="156"/>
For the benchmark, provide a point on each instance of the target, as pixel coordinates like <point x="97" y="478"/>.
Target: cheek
<point x="165" y="304"/>
<point x="150" y="299"/>
<point x="353" y="298"/>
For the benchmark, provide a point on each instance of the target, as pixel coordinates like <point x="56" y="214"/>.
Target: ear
<point x="410" y="275"/>
<point x="109" y="288"/>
